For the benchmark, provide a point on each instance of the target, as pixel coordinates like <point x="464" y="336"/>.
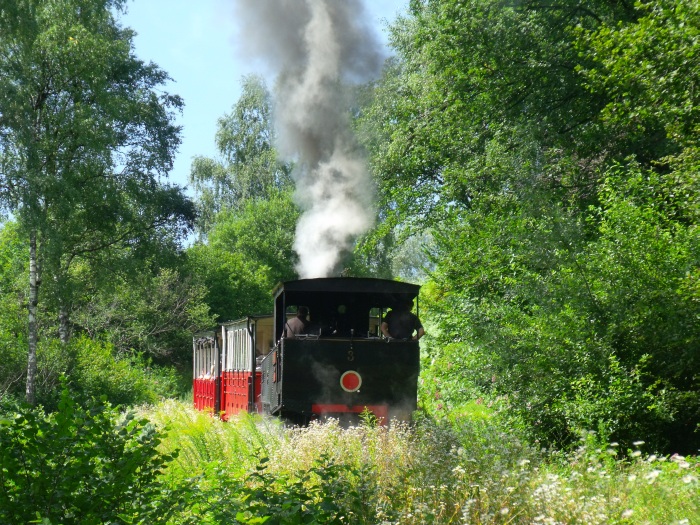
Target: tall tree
<point x="551" y="148"/>
<point x="85" y="137"/>
<point x="248" y="167"/>
<point x="249" y="250"/>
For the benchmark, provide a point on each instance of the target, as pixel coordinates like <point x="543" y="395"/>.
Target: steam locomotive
<point x="340" y="367"/>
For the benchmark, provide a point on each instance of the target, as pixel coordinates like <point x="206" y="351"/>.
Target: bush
<point x="576" y="324"/>
<point x="457" y="470"/>
<point x="93" y="370"/>
<point x="82" y="465"/>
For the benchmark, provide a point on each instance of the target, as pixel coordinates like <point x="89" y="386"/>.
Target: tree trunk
<point x="33" y="336"/>
<point x="63" y="323"/>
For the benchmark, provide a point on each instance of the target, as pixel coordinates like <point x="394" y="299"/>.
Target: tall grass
<point x="466" y="472"/>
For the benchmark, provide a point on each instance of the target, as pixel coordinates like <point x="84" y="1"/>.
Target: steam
<point x="316" y="48"/>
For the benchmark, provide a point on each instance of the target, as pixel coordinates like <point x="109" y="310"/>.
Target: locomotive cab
<point x="342" y="365"/>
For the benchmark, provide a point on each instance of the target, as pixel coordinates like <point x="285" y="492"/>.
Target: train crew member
<point x="401" y="323"/>
<point x="297" y="325"/>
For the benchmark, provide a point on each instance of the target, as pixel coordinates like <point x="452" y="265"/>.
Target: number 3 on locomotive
<point x="351" y="355"/>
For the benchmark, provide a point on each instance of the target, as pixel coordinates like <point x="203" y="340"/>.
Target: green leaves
<point x="85" y="465"/>
<point x="249" y="251"/>
<point x="550" y="149"/>
<point x="648" y="68"/>
<point x="85" y="137"/>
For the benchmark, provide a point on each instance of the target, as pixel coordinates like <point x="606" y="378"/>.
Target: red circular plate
<point x="351" y="381"/>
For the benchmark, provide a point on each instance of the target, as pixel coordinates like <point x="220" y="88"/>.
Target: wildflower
<point x="689" y="479"/>
<point x="505" y="511"/>
<point x="651" y="458"/>
<point x="638" y="443"/>
<point x="651" y="476"/>
<point x="680" y="461"/>
<point x="627" y="514"/>
<point x="631" y="477"/>
<point x="636" y="454"/>
<point x="523" y="462"/>
<point x="458" y="471"/>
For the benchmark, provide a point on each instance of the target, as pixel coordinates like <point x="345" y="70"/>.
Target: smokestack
<point x="316" y="48"/>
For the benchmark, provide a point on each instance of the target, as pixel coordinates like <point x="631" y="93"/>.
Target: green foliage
<point x="90" y="369"/>
<point x="249" y="251"/>
<point x="153" y="311"/>
<point x="248" y="168"/>
<point x="550" y="149"/>
<point x="251" y="470"/>
<point x="645" y="69"/>
<point x="97" y="372"/>
<point x="595" y="335"/>
<point x="13" y="329"/>
<point x="85" y="137"/>
<point x="146" y="315"/>
<point x="483" y="102"/>
<point x="263" y="230"/>
<point x="82" y="465"/>
<point x="314" y="496"/>
<point x="234" y="288"/>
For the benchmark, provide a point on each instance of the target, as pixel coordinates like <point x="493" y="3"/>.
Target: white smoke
<point x="316" y="48"/>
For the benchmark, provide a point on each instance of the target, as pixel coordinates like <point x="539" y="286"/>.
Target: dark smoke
<point x="316" y="48"/>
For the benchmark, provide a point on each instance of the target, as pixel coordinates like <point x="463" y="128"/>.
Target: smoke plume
<point x="316" y="48"/>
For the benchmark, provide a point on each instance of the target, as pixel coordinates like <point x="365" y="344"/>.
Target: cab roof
<point x="375" y="291"/>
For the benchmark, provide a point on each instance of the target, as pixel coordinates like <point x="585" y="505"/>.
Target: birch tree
<point x="86" y="139"/>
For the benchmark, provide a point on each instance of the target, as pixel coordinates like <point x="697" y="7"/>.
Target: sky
<point x="195" y="43"/>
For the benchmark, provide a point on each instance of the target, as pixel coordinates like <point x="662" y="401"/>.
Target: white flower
<point x="627" y="514"/>
<point x="689" y="479"/>
<point x="651" y="476"/>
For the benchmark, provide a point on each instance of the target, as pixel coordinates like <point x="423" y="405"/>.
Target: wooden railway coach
<point x="340" y="366"/>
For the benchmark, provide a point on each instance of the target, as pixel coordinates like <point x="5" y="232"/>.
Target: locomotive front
<point x="342" y="365"/>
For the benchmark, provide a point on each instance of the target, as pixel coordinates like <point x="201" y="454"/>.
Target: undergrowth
<point x="253" y="470"/>
<point x="171" y="464"/>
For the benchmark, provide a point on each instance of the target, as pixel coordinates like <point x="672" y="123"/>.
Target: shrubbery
<point x="91" y="369"/>
<point x="81" y="465"/>
<point x="593" y="331"/>
<point x="94" y="465"/>
<point x="252" y="470"/>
